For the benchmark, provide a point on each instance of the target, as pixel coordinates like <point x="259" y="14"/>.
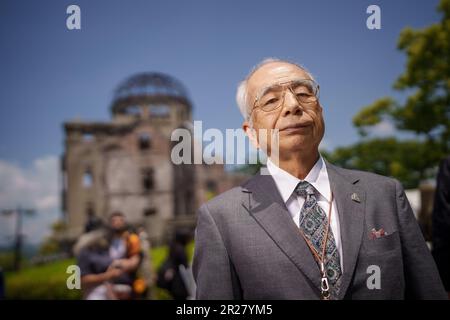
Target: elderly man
<point x="308" y="229"/>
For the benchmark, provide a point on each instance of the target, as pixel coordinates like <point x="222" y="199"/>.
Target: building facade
<point x="125" y="164"/>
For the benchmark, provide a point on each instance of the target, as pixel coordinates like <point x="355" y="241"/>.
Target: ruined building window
<point x="133" y="111"/>
<point x="88" y="137"/>
<point x="90" y="212"/>
<point x="159" y="111"/>
<point x="87" y="178"/>
<point x="149" y="212"/>
<point x="148" y="179"/>
<point x="92" y="221"/>
<point x="144" y="141"/>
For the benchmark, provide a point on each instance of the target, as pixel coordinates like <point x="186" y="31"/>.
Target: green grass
<point x="41" y="282"/>
<point x="7" y="260"/>
<point x="49" y="281"/>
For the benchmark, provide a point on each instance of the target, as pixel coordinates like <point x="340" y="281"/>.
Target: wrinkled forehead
<point x="273" y="73"/>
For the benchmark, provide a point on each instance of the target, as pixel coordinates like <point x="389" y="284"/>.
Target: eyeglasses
<point x="306" y="91"/>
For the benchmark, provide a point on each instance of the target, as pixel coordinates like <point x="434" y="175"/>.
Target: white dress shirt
<point x="317" y="177"/>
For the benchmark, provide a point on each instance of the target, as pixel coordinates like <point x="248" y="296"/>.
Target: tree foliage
<point x="425" y="112"/>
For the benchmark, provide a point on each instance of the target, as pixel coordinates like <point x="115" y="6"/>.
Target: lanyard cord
<point x="316" y="255"/>
<point x="321" y="261"/>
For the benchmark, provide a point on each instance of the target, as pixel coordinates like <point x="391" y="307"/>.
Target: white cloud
<point x="34" y="187"/>
<point x="384" y="128"/>
<point x="47" y="203"/>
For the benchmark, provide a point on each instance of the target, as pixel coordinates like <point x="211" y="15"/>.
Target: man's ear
<point x="251" y="134"/>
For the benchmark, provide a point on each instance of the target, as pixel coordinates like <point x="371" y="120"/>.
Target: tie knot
<point x="304" y="188"/>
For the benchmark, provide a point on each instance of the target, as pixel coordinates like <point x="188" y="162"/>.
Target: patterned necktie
<point x="313" y="224"/>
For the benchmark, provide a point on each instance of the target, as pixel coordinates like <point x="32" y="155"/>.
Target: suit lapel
<point x="351" y="219"/>
<point x="266" y="206"/>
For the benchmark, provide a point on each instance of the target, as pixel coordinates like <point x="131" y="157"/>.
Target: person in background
<point x="145" y="270"/>
<point x="169" y="275"/>
<point x="441" y="223"/>
<point x="109" y="261"/>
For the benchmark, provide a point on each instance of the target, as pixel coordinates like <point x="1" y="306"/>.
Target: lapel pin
<point x="355" y="198"/>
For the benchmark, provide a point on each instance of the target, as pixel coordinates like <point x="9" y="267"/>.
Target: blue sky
<point x="50" y="74"/>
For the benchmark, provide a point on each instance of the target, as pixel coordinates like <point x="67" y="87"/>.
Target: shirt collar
<point x="286" y="183"/>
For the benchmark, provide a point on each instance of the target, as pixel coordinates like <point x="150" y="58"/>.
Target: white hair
<point x="241" y="94"/>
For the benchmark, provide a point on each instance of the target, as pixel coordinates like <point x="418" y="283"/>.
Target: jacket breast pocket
<point x="384" y="244"/>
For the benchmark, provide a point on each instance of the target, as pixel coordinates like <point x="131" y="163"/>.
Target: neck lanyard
<point x="324" y="285"/>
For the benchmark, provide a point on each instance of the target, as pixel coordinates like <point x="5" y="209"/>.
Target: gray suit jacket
<point x="248" y="247"/>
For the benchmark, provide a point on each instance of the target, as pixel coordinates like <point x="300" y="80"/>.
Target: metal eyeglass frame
<point x="287" y="84"/>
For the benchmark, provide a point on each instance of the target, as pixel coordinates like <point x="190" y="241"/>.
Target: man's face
<point x="307" y="118"/>
<point x="117" y="223"/>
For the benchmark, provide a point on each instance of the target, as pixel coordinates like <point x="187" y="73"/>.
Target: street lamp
<point x="18" y="231"/>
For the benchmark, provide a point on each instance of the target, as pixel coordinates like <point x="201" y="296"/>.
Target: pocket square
<point x="375" y="234"/>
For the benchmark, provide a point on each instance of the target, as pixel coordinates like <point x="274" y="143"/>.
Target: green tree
<point x="52" y="244"/>
<point x="387" y="156"/>
<point x="425" y="113"/>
